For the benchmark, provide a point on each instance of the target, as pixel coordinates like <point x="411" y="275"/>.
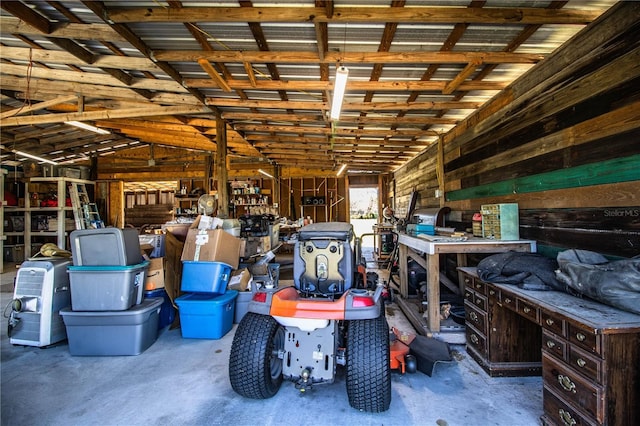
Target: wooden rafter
<point x="444" y="15"/>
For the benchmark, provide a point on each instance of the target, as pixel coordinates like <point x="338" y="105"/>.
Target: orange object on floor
<point x="399" y="349"/>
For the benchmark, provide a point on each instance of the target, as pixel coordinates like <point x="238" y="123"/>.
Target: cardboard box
<point x="173" y="265"/>
<point x="256" y="245"/>
<point x="216" y="245"/>
<point x="239" y="280"/>
<point x="208" y="222"/>
<point x="155" y="274"/>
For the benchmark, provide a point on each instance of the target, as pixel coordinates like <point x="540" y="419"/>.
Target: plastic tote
<point x="204" y="316"/>
<point x="106" y="288"/>
<point x="128" y="332"/>
<point x="205" y="277"/>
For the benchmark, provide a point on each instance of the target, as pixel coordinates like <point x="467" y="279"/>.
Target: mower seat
<point x="324" y="259"/>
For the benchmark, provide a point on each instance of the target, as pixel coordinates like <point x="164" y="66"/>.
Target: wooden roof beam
<point x="28" y="15"/>
<point x="39" y="106"/>
<point x="347" y="106"/>
<point x="443" y="15"/>
<point x="453" y="85"/>
<point x="378" y="86"/>
<point x="101" y="115"/>
<point x="12" y="25"/>
<point x="293" y="57"/>
<point x="209" y="69"/>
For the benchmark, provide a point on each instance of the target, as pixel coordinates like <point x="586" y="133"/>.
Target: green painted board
<point x="611" y="171"/>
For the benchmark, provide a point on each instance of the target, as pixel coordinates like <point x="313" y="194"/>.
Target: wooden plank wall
<point x="563" y="142"/>
<point x="292" y="191"/>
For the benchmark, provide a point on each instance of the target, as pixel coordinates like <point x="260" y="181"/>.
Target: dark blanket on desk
<point x="615" y="283"/>
<point x="529" y="271"/>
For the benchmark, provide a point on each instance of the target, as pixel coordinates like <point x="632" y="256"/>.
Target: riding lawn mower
<point x="329" y="318"/>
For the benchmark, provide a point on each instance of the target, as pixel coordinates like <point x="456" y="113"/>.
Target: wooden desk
<point x="590" y="357"/>
<point x="420" y="248"/>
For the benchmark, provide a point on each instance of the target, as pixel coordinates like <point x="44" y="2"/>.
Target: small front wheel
<point x="255" y="368"/>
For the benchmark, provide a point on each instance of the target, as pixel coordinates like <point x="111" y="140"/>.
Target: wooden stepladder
<point x="85" y="213"/>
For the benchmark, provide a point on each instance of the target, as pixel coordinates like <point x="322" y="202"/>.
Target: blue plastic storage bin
<point x="205" y="316"/>
<point x="205" y="277"/>
<point x="167" y="311"/>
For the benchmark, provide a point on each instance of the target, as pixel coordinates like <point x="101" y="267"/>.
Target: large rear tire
<point x="368" y="369"/>
<point x="255" y="370"/>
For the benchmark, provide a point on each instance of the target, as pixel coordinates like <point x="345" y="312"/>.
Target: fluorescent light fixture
<point x="86" y="126"/>
<point x="34" y="157"/>
<point x="265" y="173"/>
<point x="338" y="91"/>
<point x="344" y="166"/>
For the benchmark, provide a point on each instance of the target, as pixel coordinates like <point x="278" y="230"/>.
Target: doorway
<point x="363" y="214"/>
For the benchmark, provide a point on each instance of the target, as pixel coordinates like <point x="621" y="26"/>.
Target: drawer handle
<point x="467" y="280"/>
<point x="526" y="310"/>
<point x="581" y="362"/>
<point x="467" y="295"/>
<point x="566" y="418"/>
<point x="507" y="300"/>
<point x="580" y="337"/>
<point x="473" y="316"/>
<point x="478" y="285"/>
<point x="491" y="292"/>
<point x="474" y="339"/>
<point x="566" y="383"/>
<point x="478" y="301"/>
<point x="549" y="321"/>
<point x="550" y="344"/>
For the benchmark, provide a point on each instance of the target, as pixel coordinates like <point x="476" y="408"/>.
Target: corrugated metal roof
<point x="124" y="62"/>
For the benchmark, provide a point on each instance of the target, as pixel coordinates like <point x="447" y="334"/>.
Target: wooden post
<point x="403" y="270"/>
<point x="221" y="166"/>
<point x="440" y="169"/>
<point x="116" y="204"/>
<point x="276" y="188"/>
<point x="208" y="173"/>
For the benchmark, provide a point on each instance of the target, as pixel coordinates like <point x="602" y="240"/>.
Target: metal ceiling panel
<point x="145" y="69"/>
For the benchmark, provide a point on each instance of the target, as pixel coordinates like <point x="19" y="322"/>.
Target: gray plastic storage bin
<point x="106" y="288"/>
<point x="105" y="247"/>
<point x="242" y="305"/>
<point x="128" y="332"/>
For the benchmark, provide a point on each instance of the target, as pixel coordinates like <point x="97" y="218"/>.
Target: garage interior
<point x="449" y="106"/>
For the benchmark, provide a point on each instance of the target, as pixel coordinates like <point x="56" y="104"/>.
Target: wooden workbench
<point x="426" y="253"/>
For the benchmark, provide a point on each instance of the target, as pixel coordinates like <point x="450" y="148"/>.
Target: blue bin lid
<point x="200" y="298"/>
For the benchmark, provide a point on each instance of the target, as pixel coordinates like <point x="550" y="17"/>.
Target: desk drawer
<point x="475" y="317"/>
<point x="586" y="364"/>
<point x="509" y="301"/>
<point x="469" y="295"/>
<point x="480" y="287"/>
<point x="527" y="310"/>
<point x="571" y="387"/>
<point x="552" y="323"/>
<point x="477" y="340"/>
<point x="492" y="291"/>
<point x="559" y="413"/>
<point x="554" y="345"/>
<point x="480" y="301"/>
<point x="584" y="338"/>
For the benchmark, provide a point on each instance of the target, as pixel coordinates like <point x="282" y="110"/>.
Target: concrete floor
<point x="185" y="382"/>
